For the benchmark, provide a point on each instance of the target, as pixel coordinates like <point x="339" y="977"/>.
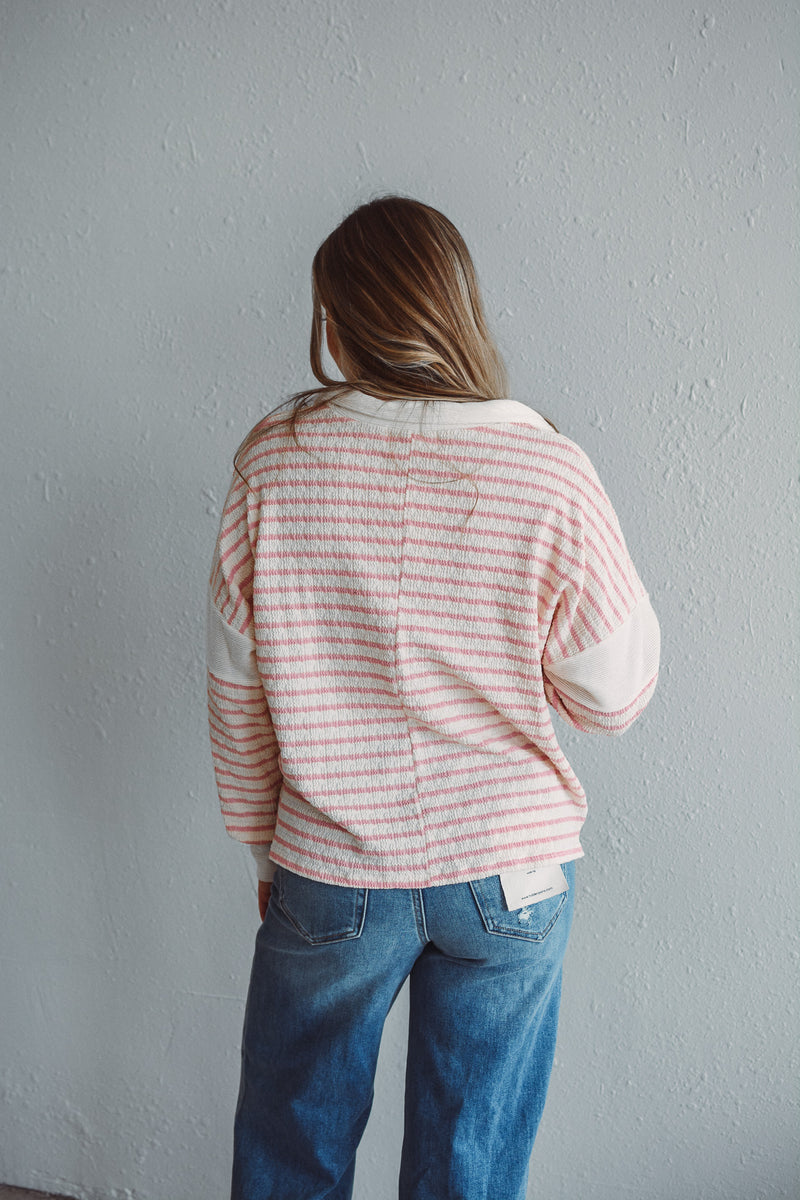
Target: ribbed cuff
<point x="264" y="866"/>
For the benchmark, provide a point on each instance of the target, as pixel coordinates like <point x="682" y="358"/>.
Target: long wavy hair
<point x="396" y="280"/>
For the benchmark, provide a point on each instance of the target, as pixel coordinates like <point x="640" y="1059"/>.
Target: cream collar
<point x="447" y="414"/>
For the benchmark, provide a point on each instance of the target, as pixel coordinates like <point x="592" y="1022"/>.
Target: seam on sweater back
<point x="400" y="682"/>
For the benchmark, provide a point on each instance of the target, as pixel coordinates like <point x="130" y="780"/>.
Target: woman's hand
<point x="264" y="890"/>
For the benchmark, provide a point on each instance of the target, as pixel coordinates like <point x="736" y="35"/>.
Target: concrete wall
<point x="624" y="173"/>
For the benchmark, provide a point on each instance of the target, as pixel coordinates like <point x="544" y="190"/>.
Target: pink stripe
<point x="491" y="600"/>
<point x="422" y="799"/>
<point x="425" y="799"/>
<point x="295" y="710"/>
<point x="350" y="554"/>
<point x="397" y="721"/>
<point x="236" y="789"/>
<point x="233" y="684"/>
<point x="389" y="581"/>
<point x="227" y="709"/>
<point x="471" y="815"/>
<point x="220" y="757"/>
<point x="223" y="730"/>
<point x="395" y="851"/>
<point x="459" y="772"/>
<point x="237" y="493"/>
<point x="235" y="828"/>
<point x="242" y="687"/>
<point x="475" y="634"/>
<point x="251" y="807"/>
<point x="536" y="721"/>
<point x="266" y="776"/>
<point x="242" y="540"/>
<point x="391" y="867"/>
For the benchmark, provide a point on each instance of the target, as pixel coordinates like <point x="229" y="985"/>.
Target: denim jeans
<point x="485" y="987"/>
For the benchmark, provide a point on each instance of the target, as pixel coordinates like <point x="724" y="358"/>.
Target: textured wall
<point x="624" y="174"/>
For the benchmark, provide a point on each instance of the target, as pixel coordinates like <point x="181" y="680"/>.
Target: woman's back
<point x="405" y="576"/>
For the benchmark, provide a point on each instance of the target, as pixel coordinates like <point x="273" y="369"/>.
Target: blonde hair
<point x="397" y="282"/>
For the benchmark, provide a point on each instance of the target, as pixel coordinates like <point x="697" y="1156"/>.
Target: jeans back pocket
<point x="320" y="912"/>
<point x="532" y="922"/>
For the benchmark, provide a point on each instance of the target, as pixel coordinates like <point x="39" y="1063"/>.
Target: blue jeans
<point x="484" y="992"/>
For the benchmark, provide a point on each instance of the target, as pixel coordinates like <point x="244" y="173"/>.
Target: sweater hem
<point x="375" y="878"/>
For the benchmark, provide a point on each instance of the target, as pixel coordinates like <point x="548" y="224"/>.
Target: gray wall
<point x="623" y="171"/>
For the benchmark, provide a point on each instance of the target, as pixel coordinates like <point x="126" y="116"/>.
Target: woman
<point x="411" y="571"/>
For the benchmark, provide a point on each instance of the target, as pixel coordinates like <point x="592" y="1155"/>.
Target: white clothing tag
<point x="531" y="886"/>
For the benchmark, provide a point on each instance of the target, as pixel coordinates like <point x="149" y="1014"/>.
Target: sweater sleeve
<point x="243" y="742"/>
<point x="601" y="656"/>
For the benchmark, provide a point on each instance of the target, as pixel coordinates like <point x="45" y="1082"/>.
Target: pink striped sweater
<point x="395" y="608"/>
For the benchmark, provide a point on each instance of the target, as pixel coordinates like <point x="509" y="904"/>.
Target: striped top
<point x="396" y="605"/>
